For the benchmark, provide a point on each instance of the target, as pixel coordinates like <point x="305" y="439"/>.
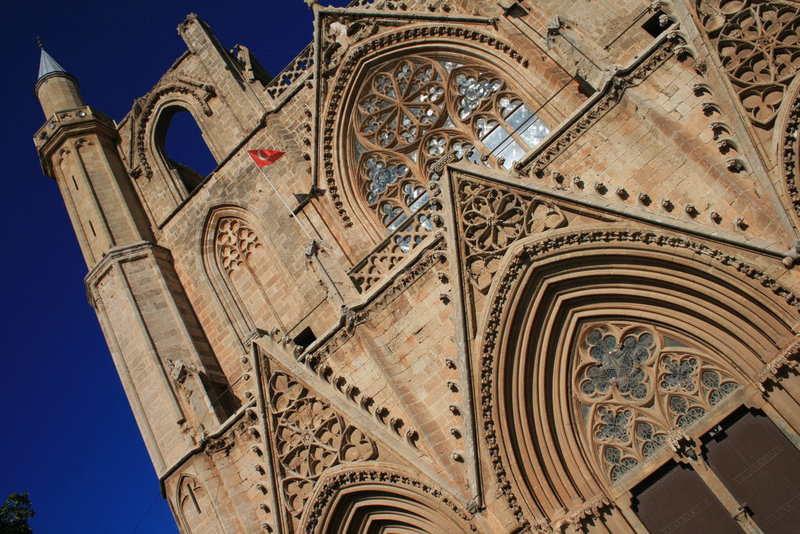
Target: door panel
<point x="761" y="468"/>
<point x="676" y="501"/>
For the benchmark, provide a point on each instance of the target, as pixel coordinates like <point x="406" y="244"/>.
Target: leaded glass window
<point x="414" y="110"/>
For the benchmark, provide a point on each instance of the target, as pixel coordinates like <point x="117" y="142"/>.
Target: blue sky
<point x="68" y="434"/>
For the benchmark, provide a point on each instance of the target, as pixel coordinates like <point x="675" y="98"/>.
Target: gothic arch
<point x="158" y="108"/>
<point x="680" y="304"/>
<point x="377" y="499"/>
<point x="195" y="510"/>
<point x="247" y="278"/>
<point x="431" y="44"/>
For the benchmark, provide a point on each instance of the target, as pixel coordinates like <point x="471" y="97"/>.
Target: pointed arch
<point x="195" y="510"/>
<point x="377" y="499"/>
<point x="188" y="95"/>
<point x="474" y="99"/>
<point x="601" y="347"/>
<point x="249" y="280"/>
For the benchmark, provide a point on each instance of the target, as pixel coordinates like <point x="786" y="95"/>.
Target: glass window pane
<point x="516" y="119"/>
<point x="494" y="139"/>
<point x="534" y="133"/>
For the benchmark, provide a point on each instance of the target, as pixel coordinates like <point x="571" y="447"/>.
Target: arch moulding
<point x="189" y="95"/>
<point x="230" y="302"/>
<point x="346" y="498"/>
<point x="546" y="288"/>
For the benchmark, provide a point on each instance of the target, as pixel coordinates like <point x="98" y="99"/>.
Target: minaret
<point x="56" y="89"/>
<point x="167" y="368"/>
<point x="77" y="147"/>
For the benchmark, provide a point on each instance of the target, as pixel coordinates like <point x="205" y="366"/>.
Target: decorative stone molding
<point x="309" y="437"/>
<point x="785" y="359"/>
<point x="566" y="134"/>
<point x="756" y="42"/>
<point x="291" y="74"/>
<point x="789" y="151"/>
<point x="420" y="226"/>
<point x="431" y="255"/>
<point x="331" y="486"/>
<point x="519" y="262"/>
<point x="491" y="219"/>
<point x="194" y="95"/>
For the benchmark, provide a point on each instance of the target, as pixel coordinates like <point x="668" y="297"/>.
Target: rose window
<point x="416" y="110"/>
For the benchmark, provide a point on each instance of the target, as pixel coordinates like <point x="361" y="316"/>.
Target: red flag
<point x="265" y="157"/>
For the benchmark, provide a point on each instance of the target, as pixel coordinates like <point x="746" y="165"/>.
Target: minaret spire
<point x="47" y="65"/>
<point x="56" y="89"/>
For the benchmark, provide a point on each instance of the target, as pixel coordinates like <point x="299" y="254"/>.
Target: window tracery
<point x="634" y="385"/>
<point x="414" y="110"/>
<point x="253" y="277"/>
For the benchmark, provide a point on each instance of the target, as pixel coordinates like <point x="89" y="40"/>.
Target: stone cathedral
<point x="541" y="274"/>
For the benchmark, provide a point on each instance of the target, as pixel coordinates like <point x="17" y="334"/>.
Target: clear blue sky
<point x="68" y="435"/>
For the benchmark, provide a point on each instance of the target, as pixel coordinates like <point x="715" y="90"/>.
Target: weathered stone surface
<point x="553" y="251"/>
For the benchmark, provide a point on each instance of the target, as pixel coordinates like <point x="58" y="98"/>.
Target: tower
<point x="548" y="288"/>
<point x="131" y="281"/>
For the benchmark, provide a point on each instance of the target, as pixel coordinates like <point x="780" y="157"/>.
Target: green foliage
<point x="14" y="514"/>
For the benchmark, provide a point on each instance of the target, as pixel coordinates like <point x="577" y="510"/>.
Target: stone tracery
<point x="636" y="383"/>
<point x="310" y="437"/>
<point x="414" y="110"/>
<point x="758" y="46"/>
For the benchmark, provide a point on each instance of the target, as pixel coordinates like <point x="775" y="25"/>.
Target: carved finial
<point x="311" y="3"/>
<point x="39" y="42"/>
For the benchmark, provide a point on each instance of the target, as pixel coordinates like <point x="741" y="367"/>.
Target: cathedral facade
<point x="527" y="266"/>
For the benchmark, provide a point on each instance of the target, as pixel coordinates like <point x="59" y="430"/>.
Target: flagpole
<point x="291" y="212"/>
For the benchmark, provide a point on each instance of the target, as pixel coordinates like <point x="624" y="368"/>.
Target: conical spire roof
<point x="48" y="65"/>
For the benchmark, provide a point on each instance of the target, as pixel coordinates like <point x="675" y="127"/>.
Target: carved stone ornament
<point x="391" y="482"/>
<point x="605" y="100"/>
<point x="634" y="384"/>
<point x="491" y="219"/>
<point x="790" y="153"/>
<point x="414" y="111"/>
<point x="309" y="438"/>
<point x="411" y="233"/>
<point x="235" y="243"/>
<point x="192" y="94"/>
<point x="757" y="43"/>
<point x="386" y="132"/>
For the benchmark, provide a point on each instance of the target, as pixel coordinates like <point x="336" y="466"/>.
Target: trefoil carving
<point x="492" y="219"/>
<point x="635" y="385"/>
<point x="758" y="46"/>
<point x="310" y="437"/>
<point x="415" y="110"/>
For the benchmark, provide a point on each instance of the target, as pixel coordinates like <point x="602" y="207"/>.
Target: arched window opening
<point x="414" y="110"/>
<point x="255" y="277"/>
<point x="648" y="397"/>
<point x="183" y="147"/>
<point x="634" y="384"/>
